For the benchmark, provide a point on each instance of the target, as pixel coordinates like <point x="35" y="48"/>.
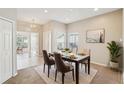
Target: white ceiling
<point x="64" y="15"/>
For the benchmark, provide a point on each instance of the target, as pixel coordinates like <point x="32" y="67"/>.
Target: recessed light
<point x="45" y="11"/>
<point x="96" y="9"/>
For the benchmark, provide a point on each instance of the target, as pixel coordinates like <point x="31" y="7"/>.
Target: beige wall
<point x="111" y="22"/>
<point x="25" y="26"/>
<point x="56" y="28"/>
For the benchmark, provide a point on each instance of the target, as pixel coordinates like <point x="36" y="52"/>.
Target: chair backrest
<point x="59" y="62"/>
<point x="45" y="56"/>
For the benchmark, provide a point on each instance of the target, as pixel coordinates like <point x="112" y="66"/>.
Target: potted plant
<point x="114" y="50"/>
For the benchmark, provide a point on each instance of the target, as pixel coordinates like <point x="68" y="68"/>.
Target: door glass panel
<point x="22" y="42"/>
<point x="35" y="43"/>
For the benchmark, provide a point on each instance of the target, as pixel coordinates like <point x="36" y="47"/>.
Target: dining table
<point x="77" y="60"/>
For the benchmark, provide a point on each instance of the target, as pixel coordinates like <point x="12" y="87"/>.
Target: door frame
<point x="14" y="61"/>
<point x="38" y="42"/>
<point x="49" y="42"/>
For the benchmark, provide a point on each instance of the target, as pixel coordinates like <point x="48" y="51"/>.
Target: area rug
<point x="84" y="78"/>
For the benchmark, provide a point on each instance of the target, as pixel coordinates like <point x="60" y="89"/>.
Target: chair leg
<point x="73" y="73"/>
<point x="44" y="68"/>
<point x="55" y="74"/>
<point x="48" y="70"/>
<point x="63" y="78"/>
<point x="85" y="68"/>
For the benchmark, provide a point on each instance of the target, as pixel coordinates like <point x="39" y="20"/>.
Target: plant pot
<point x="114" y="65"/>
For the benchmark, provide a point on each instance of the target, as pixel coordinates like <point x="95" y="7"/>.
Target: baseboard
<point x="15" y="74"/>
<point x="99" y="64"/>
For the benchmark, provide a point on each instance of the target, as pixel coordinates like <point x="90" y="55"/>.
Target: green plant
<point x="114" y="50"/>
<point x="66" y="49"/>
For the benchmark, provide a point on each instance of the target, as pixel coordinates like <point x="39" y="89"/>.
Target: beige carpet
<point x="84" y="78"/>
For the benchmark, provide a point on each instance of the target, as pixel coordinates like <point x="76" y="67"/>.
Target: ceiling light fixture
<point x="96" y="9"/>
<point x="33" y="24"/>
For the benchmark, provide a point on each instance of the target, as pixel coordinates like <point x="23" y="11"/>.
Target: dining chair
<point x="62" y="67"/>
<point x="48" y="60"/>
<point x="85" y="51"/>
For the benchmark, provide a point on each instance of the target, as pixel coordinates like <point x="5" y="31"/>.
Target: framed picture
<point x="95" y="36"/>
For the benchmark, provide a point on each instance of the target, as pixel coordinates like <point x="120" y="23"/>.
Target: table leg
<point x="77" y="72"/>
<point x="89" y="65"/>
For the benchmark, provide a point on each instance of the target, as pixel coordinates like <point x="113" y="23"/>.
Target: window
<point x="21" y="41"/>
<point x="73" y="40"/>
<point x="61" y="42"/>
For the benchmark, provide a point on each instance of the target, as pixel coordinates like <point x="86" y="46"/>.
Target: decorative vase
<point x="66" y="53"/>
<point x="114" y="65"/>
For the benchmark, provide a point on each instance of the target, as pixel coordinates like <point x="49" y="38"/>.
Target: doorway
<point x="27" y="49"/>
